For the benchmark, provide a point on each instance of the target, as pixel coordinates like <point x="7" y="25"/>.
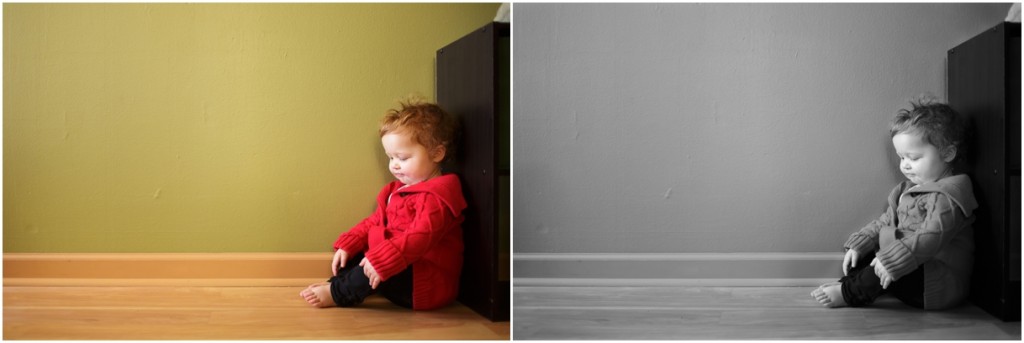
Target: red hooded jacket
<point x="420" y="226"/>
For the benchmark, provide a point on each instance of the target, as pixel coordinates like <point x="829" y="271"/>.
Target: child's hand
<point x="882" y="273"/>
<point x="370" y="273"/>
<point x="850" y="260"/>
<point x="339" y="261"/>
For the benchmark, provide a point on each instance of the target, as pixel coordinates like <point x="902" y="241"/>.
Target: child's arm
<point x="865" y="240"/>
<point x="355" y="239"/>
<point x="883" y="275"/>
<point x="850" y="260"/>
<point x="338" y="262"/>
<point x="352" y="241"/>
<point x="370" y="273"/>
<point x="433" y="220"/>
<point x="942" y="223"/>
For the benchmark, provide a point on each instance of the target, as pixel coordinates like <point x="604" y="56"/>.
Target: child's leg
<point x="854" y="289"/>
<point x="910" y="288"/>
<point x="348" y="288"/>
<point x="351" y="286"/>
<point x="861" y="288"/>
<point x="398" y="288"/>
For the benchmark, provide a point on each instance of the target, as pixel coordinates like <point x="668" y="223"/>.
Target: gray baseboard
<point x="686" y="269"/>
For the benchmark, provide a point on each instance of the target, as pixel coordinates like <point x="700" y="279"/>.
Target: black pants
<point x="351" y="286"/>
<point x="861" y="286"/>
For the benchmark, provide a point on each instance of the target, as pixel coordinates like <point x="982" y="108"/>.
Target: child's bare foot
<point x="830" y="295"/>
<point x="317" y="285"/>
<point x="318" y="294"/>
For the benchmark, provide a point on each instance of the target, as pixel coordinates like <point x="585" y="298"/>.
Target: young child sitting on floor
<point x="921" y="249"/>
<point x="410" y="249"/>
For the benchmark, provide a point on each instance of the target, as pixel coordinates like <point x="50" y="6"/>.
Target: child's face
<point x="920" y="161"/>
<point x="409" y="161"/>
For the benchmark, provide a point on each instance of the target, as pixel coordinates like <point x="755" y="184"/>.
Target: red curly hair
<point x="426" y="123"/>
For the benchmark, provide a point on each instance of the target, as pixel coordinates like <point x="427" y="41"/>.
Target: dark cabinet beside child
<point x="984" y="84"/>
<point x="473" y="83"/>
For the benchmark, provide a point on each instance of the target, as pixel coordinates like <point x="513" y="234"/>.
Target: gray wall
<point x="687" y="128"/>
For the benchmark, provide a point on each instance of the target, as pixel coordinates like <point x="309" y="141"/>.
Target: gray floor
<point x="741" y="313"/>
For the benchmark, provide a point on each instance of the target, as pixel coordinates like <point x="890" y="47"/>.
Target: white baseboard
<point x="685" y="269"/>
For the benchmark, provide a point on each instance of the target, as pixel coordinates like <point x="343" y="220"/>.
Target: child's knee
<point x="350" y="288"/>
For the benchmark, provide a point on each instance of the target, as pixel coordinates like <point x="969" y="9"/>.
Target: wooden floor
<point x="214" y="313"/>
<point x="738" y="313"/>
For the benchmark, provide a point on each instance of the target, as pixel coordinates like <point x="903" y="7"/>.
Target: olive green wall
<point x="205" y="127"/>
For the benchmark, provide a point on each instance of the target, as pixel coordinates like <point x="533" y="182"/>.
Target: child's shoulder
<point x="901" y="188"/>
<point x="445" y="181"/>
<point x="957" y="188"/>
<point x="955" y="185"/>
<point x="447" y="187"/>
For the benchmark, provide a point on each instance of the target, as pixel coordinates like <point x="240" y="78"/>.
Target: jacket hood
<point x="956" y="187"/>
<point x="446" y="187"/>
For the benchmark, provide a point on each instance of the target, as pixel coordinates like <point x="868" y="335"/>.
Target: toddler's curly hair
<point x="937" y="123"/>
<point x="426" y="123"/>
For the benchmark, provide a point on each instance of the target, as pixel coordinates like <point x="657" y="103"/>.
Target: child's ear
<point x="949" y="153"/>
<point x="437" y="154"/>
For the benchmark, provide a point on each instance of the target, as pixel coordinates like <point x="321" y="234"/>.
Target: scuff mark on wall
<point x="575" y="126"/>
<point x="715" y="111"/>
<point x="542" y="229"/>
<point x="67" y="132"/>
<point x="668" y="193"/>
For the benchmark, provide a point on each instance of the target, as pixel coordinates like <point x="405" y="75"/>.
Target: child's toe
<point x="821" y="297"/>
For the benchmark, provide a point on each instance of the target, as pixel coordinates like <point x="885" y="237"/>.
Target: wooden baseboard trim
<point x="165" y="269"/>
<point x="296" y="269"/>
<point x="686" y="269"/>
<point x="84" y="282"/>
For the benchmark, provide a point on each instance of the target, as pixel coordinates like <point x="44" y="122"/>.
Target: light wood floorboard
<point x="739" y="313"/>
<point x="204" y="313"/>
